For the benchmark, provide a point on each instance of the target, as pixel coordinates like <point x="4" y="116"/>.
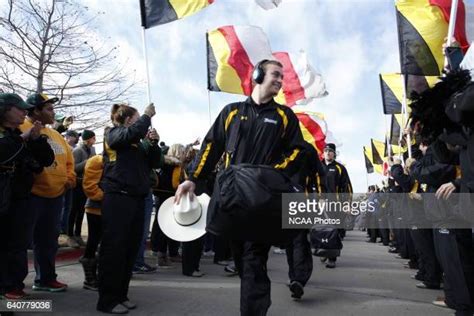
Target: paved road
<point x="367" y="281"/>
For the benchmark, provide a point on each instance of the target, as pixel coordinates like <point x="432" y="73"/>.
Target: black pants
<point x="251" y="262"/>
<point x="77" y="211"/>
<point x="427" y="261"/>
<point x="300" y="259"/>
<point x="406" y="246"/>
<point x="191" y="255"/>
<point x="221" y="249"/>
<point x="94" y="225"/>
<point x="159" y="241"/>
<point x="122" y="222"/>
<point x="454" y="251"/>
<point x="15" y="235"/>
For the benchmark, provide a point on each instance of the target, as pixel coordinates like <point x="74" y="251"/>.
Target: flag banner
<point x="301" y="82"/>
<point x="314" y="129"/>
<point x="378" y="168"/>
<point x="395" y="129"/>
<point x="232" y="52"/>
<point x="391" y="150"/>
<point x="157" y="12"/>
<point x="378" y="149"/>
<point x="392" y="89"/>
<point x="422" y="28"/>
<point x="368" y="164"/>
<point x="268" y="4"/>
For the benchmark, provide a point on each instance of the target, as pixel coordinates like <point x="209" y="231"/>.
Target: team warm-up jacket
<point x="337" y="178"/>
<point x="128" y="161"/>
<point x="269" y="134"/>
<point x="312" y="175"/>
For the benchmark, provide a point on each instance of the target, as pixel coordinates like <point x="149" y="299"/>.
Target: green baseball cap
<point x="15" y="100"/>
<point x="38" y="99"/>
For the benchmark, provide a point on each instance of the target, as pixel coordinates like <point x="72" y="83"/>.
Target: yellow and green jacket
<point x="90" y="183"/>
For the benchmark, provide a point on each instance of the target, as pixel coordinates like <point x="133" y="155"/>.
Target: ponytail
<point x="120" y="112"/>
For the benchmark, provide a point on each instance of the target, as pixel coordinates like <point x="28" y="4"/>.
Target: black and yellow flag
<point x="392" y="89"/>
<point x="395" y="128"/>
<point x="368" y="164"/>
<point x="156" y="12"/>
<point x="368" y="153"/>
<point x="378" y="149"/>
<point x="422" y="28"/>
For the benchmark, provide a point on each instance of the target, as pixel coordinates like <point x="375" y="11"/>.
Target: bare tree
<point x="52" y="46"/>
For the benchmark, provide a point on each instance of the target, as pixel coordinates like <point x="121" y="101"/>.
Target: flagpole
<point x="209" y="106"/>
<point x="451" y="27"/>
<point x="387" y="141"/>
<point x="405" y="115"/>
<point x="146" y="66"/>
<point x="452" y="21"/>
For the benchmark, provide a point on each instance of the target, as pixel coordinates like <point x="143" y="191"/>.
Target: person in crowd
<point x="131" y="151"/>
<point x="81" y="154"/>
<point x="47" y="194"/>
<point x="62" y="123"/>
<point x="140" y="266"/>
<point x="72" y="138"/>
<point x="337" y="181"/>
<point x="93" y="171"/>
<point x="298" y="250"/>
<point x="269" y="134"/>
<point x="22" y="155"/>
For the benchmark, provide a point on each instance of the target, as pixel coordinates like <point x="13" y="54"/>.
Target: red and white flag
<point x="301" y="82"/>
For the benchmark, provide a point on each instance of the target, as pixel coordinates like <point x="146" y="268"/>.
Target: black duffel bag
<point x="246" y="203"/>
<point x="326" y="241"/>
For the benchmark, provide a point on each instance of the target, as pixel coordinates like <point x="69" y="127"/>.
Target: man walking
<point x="267" y="134"/>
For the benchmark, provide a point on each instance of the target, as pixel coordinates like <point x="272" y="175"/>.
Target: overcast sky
<point x="349" y="41"/>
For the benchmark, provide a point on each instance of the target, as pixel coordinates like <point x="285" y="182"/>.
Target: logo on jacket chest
<point x="268" y="120"/>
<point x="57" y="148"/>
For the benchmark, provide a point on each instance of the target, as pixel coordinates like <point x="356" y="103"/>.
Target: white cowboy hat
<point x="185" y="221"/>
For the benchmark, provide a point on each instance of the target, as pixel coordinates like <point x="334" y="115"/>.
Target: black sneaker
<point x="296" y="289"/>
<point x="143" y="269"/>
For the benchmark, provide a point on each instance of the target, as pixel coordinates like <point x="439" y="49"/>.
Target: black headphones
<point x="258" y="72"/>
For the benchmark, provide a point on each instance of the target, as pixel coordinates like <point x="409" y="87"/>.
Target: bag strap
<point x="234" y="134"/>
<point x="14" y="155"/>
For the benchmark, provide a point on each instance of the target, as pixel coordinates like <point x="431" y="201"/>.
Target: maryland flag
<point x="368" y="164"/>
<point x="314" y="129"/>
<point x="392" y="89"/>
<point x="232" y="52"/>
<point x="156" y="12"/>
<point x="422" y="28"/>
<point x="301" y="82"/>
